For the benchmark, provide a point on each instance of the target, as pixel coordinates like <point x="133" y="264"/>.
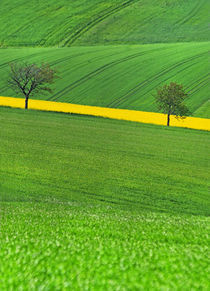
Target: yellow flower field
<point x="123" y="114"/>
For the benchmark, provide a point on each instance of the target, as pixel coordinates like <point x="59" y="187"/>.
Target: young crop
<point x="112" y="76"/>
<point x="97" y="204"/>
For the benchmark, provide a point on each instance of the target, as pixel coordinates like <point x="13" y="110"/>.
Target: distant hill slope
<point x="82" y="22"/>
<point x="120" y="76"/>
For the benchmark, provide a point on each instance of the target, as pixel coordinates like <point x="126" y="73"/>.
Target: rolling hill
<point x="109" y="53"/>
<point x="97" y="204"/>
<point x="82" y="22"/>
<point x="91" y="203"/>
<point x="119" y="76"/>
<point x="66" y="150"/>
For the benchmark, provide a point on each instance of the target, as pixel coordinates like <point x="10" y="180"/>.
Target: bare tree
<point x="30" y="79"/>
<point x="170" y="99"/>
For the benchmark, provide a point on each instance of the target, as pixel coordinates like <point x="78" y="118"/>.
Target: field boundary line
<point x="113" y="113"/>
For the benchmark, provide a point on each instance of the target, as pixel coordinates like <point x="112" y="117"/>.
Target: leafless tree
<point x="30" y="79"/>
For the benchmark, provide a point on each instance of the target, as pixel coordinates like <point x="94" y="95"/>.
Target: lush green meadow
<point x="96" y="204"/>
<point x="82" y="22"/>
<point x="119" y="76"/>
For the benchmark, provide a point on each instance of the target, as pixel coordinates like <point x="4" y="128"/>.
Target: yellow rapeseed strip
<point x="123" y="114"/>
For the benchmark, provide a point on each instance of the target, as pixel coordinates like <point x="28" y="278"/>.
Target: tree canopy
<point x="170" y="100"/>
<point x="30" y="79"/>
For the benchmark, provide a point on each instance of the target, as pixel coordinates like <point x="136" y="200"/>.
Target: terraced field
<point x="96" y="204"/>
<point x="82" y="22"/>
<point x="120" y="76"/>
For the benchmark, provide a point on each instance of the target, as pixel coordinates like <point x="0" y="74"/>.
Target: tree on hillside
<point x="30" y="79"/>
<point x="170" y="100"/>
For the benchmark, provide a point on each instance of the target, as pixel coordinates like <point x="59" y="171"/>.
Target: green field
<point x="111" y="53"/>
<point x="120" y="76"/>
<point x="97" y="204"/>
<point x="82" y="22"/>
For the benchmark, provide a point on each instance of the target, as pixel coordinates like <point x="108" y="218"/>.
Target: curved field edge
<point x="83" y="22"/>
<point x="122" y="114"/>
<point x="123" y="77"/>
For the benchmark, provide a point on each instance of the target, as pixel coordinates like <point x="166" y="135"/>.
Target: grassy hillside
<point x="97" y="204"/>
<point x="46" y="155"/>
<point x="90" y="203"/>
<point x="82" y="22"/>
<point x="120" y="76"/>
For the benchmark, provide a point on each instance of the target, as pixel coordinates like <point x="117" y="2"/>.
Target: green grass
<point x="107" y="65"/>
<point x="82" y="22"/>
<point x="96" y="204"/>
<point x="69" y="246"/>
<point x="119" y="76"/>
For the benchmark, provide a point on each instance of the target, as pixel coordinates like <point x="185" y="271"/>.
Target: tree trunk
<point x="168" y="120"/>
<point x="26" y="102"/>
